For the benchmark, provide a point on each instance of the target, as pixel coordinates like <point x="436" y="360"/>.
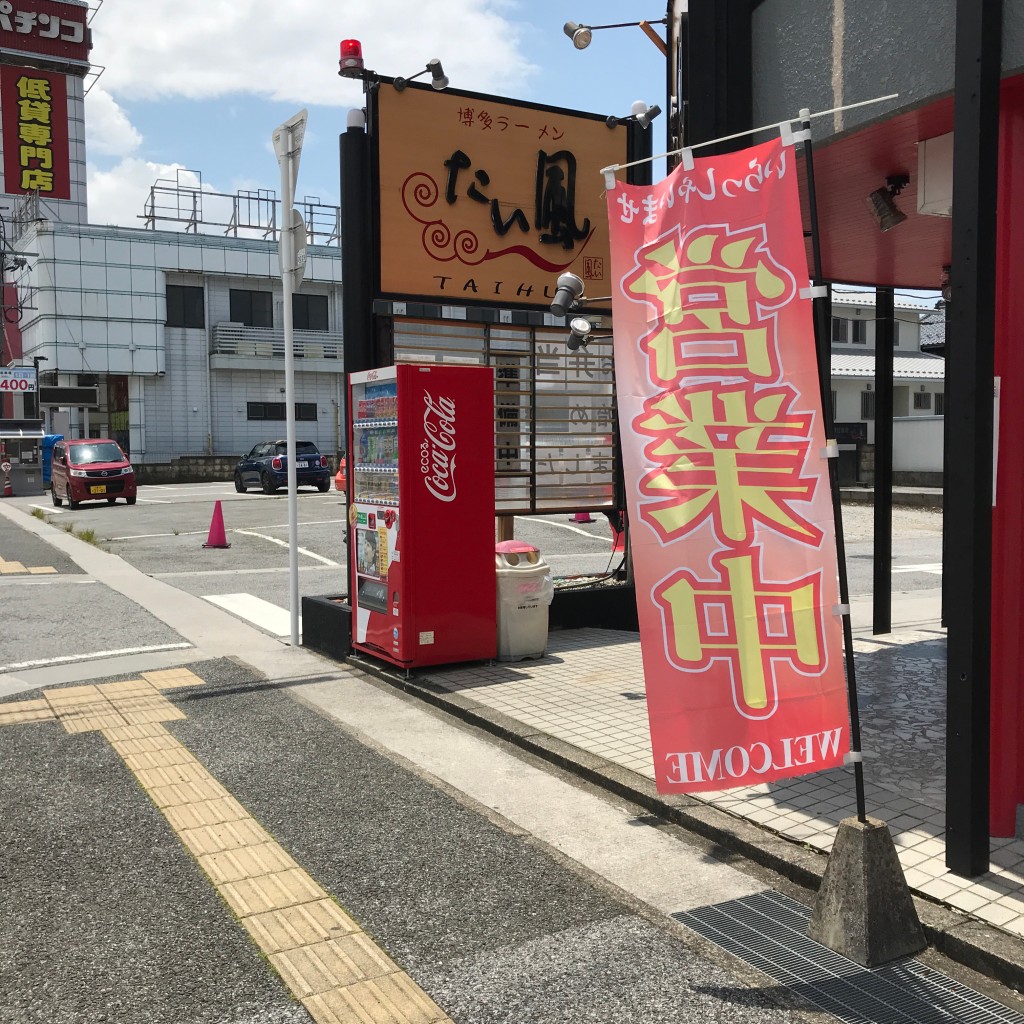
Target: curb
<point x="965" y="940"/>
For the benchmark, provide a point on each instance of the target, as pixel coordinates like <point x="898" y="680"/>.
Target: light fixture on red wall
<point x="882" y="202"/>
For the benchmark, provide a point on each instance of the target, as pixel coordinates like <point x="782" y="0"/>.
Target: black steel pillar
<point x="885" y="340"/>
<point x="356" y="249"/>
<point x="968" y="461"/>
<point x="716" y="75"/>
<point x="356" y="276"/>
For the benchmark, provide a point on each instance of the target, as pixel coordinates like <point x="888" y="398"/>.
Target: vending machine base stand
<point x="370" y="651"/>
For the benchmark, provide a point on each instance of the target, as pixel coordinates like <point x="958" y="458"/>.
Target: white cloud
<point x="107" y="128"/>
<point x="119" y="196"/>
<point x="289" y="51"/>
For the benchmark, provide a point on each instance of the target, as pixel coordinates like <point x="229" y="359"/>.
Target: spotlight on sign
<point x="641" y="113"/>
<point x="438" y="79"/>
<point x="580" y="329"/>
<point x="568" y="291"/>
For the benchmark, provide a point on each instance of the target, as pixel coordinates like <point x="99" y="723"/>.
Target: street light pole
<point x="36" y="412"/>
<point x="287" y="141"/>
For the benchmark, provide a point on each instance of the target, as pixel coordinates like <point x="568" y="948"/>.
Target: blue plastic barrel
<point x="49" y="440"/>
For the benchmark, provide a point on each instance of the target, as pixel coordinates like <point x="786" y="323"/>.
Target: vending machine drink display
<point x="421" y="523"/>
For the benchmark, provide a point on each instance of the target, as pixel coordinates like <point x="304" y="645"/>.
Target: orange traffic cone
<point x="582" y="517"/>
<point x="217" y="537"/>
<point x="8" y="489"/>
<point x="618" y="540"/>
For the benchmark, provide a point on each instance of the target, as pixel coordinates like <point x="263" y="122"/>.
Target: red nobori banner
<point x="34" y="105"/>
<point x="734" y="550"/>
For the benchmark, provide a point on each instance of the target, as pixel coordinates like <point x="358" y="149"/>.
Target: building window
<point x="185" y="305"/>
<point x="922" y="399"/>
<point x="940" y="403"/>
<point x="309" y="312"/>
<point x="849" y="332"/>
<point x="265" y="410"/>
<point x="254" y="309"/>
<point x="867" y="405"/>
<point x="304" y="411"/>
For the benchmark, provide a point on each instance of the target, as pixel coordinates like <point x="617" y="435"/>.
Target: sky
<point x="200" y="85"/>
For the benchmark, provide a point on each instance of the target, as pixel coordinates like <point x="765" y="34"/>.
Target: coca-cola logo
<point x="437" y="450"/>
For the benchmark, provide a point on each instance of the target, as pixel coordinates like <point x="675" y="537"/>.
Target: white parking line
<point x="49" y="509"/>
<point x="932" y="568"/>
<point x="255" y="610"/>
<point x="234" y="572"/>
<point x="284" y="544"/>
<point x="123" y="652"/>
<point x="534" y="521"/>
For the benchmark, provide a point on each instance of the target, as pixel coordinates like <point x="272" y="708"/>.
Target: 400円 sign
<point x="21" y="379"/>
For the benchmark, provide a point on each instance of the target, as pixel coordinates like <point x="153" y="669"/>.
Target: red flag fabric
<point x="724" y="451"/>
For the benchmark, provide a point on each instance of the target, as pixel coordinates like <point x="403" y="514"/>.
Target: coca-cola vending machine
<point x="421" y="523"/>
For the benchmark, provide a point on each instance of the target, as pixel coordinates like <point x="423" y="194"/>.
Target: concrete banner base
<point x="864" y="909"/>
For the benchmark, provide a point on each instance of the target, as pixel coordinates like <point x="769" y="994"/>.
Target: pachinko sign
<point x="34" y="107"/>
<point x="734" y="551"/>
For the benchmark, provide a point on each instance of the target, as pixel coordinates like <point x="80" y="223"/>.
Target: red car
<point x="91" y="470"/>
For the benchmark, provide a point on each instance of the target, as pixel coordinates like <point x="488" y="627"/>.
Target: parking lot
<point x="163" y="537"/>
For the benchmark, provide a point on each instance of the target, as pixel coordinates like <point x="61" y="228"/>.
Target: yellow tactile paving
<point x="159" y="757"/>
<point x="72" y="695"/>
<point x="314" y="969"/>
<point x="394" y="998"/>
<point x="187" y="793"/>
<point x="271" y="892"/>
<point x="39" y="704"/>
<point x="172" y="678"/>
<point x="152" y="736"/>
<point x="227" y="835"/>
<point x="246" y="862"/>
<point x="327" y="961"/>
<point x="171" y="775"/>
<point x="90" y="723"/>
<point x="22" y="711"/>
<point x="302" y="925"/>
<point x="8" y="568"/>
<point x="207" y="812"/>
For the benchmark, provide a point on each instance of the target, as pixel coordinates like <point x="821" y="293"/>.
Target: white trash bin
<point x="524" y="592"/>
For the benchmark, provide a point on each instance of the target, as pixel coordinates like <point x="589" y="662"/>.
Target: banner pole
<point x="823" y="334"/>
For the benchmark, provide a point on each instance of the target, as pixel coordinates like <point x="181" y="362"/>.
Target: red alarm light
<point x="351" y="63"/>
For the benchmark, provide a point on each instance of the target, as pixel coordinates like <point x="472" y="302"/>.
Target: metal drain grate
<point x="769" y="932"/>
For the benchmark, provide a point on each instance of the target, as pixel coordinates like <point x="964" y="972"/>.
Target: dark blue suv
<point x="266" y="466"/>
